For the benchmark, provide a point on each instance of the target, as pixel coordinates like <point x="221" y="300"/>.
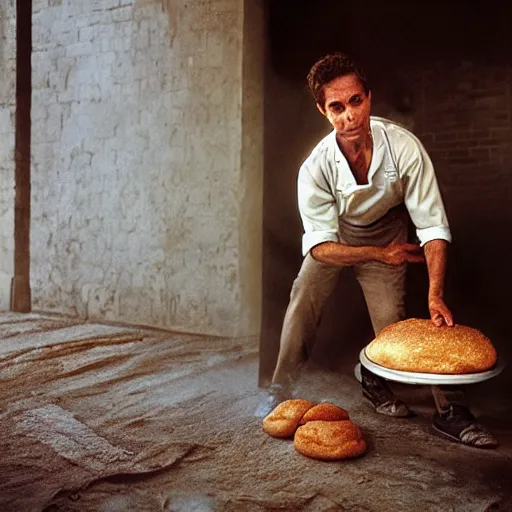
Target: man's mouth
<point x="352" y="131"/>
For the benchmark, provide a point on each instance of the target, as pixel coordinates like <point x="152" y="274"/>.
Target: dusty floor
<point x="110" y="418"/>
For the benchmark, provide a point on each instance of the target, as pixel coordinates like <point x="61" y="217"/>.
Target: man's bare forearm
<point x="436" y="252"/>
<point x="336" y="254"/>
<point x="436" y="255"/>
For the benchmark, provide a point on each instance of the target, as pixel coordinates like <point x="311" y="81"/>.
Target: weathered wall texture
<point x="139" y="196"/>
<point x="252" y="158"/>
<point x="7" y="136"/>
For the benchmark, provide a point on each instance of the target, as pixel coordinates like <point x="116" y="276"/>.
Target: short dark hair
<point x="330" y="67"/>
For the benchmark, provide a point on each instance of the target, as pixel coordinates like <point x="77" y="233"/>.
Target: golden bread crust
<point x="329" y="440"/>
<point x="417" y="345"/>
<point x="325" y="411"/>
<point x="285" y="418"/>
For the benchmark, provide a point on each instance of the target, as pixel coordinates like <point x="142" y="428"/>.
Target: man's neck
<point x="353" y="149"/>
<point x="359" y="155"/>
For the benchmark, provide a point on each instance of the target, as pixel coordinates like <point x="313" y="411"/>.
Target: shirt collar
<point x="377" y="157"/>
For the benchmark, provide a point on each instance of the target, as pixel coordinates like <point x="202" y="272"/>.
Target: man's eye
<point x="357" y="99"/>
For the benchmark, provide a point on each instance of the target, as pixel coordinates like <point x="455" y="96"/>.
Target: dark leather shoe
<point x="458" y="424"/>
<point x="377" y="392"/>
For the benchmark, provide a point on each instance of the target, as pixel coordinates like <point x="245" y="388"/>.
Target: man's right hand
<point x="397" y="254"/>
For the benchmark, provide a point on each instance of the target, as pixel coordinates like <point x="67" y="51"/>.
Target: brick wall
<point x="137" y="169"/>
<point x="462" y="113"/>
<point x="466" y="124"/>
<point x="7" y="111"/>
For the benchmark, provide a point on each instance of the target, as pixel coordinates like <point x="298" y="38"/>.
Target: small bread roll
<point x="325" y="412"/>
<point x="285" y="418"/>
<point x="329" y="440"/>
<point x="417" y="345"/>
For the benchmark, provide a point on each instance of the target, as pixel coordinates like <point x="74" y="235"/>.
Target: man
<point x="356" y="193"/>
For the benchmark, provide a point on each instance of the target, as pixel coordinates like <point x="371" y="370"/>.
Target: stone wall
<point x="7" y="135"/>
<point x="139" y="191"/>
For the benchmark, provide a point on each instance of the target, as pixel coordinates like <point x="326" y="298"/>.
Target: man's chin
<point x="352" y="136"/>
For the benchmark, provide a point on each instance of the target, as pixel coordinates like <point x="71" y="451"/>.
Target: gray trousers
<point x="383" y="287"/>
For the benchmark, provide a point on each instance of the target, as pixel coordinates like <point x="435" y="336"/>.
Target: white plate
<point x="429" y="378"/>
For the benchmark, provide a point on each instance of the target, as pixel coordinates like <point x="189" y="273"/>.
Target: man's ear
<point x="321" y="109"/>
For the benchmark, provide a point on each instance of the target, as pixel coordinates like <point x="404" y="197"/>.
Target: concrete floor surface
<point x="101" y="418"/>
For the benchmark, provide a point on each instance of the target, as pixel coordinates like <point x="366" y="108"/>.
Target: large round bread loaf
<point x="329" y="440"/>
<point x="417" y="345"/>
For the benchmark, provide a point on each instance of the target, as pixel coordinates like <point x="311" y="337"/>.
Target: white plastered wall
<point x="146" y="163"/>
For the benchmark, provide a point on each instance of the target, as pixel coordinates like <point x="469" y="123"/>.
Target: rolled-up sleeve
<point x="318" y="210"/>
<point x="422" y="196"/>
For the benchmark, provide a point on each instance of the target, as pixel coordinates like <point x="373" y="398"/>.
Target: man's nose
<point x="349" y="115"/>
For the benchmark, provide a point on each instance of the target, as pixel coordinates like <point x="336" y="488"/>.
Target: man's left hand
<point x="439" y="312"/>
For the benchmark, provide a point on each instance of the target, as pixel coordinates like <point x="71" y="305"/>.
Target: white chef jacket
<point x="400" y="172"/>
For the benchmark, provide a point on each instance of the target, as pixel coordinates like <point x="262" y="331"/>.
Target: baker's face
<point x="347" y="107"/>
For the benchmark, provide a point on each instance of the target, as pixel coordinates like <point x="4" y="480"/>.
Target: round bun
<point x="325" y="411"/>
<point x="417" y="345"/>
<point x="285" y="418"/>
<point x="329" y="440"/>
